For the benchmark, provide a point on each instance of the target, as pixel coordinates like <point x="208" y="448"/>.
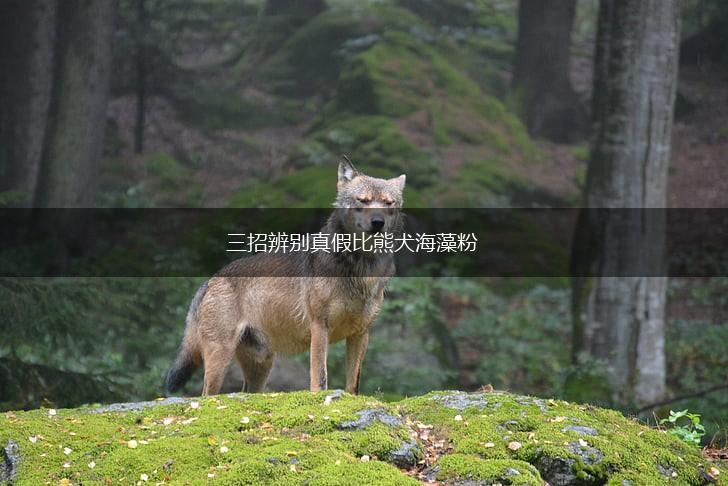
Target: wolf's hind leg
<point x="255" y="369"/>
<point x="216" y="359"/>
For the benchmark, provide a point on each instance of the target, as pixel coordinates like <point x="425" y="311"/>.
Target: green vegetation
<point x="685" y="426"/>
<point x="336" y="438"/>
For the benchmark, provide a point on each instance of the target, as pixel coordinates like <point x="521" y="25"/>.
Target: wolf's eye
<point x="388" y="202"/>
<point x="363" y="200"/>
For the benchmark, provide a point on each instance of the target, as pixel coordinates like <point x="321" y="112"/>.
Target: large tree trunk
<point x="78" y="108"/>
<point x="619" y="316"/>
<point x="27" y="36"/>
<point x="541" y="86"/>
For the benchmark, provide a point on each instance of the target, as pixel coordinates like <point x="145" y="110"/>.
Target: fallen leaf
<point x="223" y="450"/>
<point x="52" y="412"/>
<point x="212" y="440"/>
<point x="33" y="439"/>
<point x="132" y="444"/>
<point x="144" y="477"/>
<point x="194" y="404"/>
<point x="168" y="420"/>
<point x="91" y="465"/>
<point x="583" y="443"/>
<point x="365" y="458"/>
<point x="245" y="420"/>
<point x="458" y="418"/>
<point x="67" y="451"/>
<point x="488" y="445"/>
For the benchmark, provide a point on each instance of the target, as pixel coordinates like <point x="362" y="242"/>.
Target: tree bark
<point x="141" y="77"/>
<point x="619" y="315"/>
<point x="541" y="85"/>
<point x="74" y="138"/>
<point x="27" y="34"/>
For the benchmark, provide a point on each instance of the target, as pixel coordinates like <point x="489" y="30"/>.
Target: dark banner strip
<point x="321" y="242"/>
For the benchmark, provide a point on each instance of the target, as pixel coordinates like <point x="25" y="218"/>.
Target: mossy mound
<point x="336" y="438"/>
<point x="312" y="187"/>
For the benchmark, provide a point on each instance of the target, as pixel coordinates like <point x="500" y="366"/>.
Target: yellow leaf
<point x="212" y="440"/>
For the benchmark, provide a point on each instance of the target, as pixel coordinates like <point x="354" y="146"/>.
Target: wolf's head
<point x="371" y="204"/>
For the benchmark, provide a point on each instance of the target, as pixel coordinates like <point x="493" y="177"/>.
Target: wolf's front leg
<point x="356" y="348"/>
<point x="319" y="351"/>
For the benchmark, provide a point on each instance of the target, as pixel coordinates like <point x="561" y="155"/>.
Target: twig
<point x="696" y="394"/>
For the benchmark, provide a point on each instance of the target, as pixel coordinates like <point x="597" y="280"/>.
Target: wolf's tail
<point x="189" y="355"/>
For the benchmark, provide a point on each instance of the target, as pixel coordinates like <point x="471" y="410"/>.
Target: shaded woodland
<point x="488" y="103"/>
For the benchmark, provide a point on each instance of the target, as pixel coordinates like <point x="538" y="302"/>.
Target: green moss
<point x="373" y="142"/>
<point x="296" y="438"/>
<point x="503" y="427"/>
<point x="470" y="467"/>
<point x="161" y="180"/>
<point x="222" y="110"/>
<point x="308" y="62"/>
<point x="311" y="187"/>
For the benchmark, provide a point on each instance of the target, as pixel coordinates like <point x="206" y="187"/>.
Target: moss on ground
<point x="307" y="438"/>
<point x="312" y="187"/>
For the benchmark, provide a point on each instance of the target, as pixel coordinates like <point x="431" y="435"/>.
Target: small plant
<point x="685" y="426"/>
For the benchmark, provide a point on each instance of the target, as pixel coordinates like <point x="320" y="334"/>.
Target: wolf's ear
<point x="347" y="171"/>
<point x="399" y="182"/>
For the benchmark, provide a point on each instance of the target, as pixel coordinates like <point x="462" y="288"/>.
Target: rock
<point x="296" y="438"/>
<point x="136" y="406"/>
<point x="406" y="456"/>
<point x="581" y="430"/>
<point x="560" y="471"/>
<point x="368" y="417"/>
<point x="589" y="455"/>
<point x="335" y="395"/>
<point x="461" y="400"/>
<point x="557" y="471"/>
<point x="9" y="461"/>
<point x="667" y="471"/>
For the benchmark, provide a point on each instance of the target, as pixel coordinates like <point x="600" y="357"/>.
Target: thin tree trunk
<point x="141" y="77"/>
<point x="28" y="33"/>
<point x="542" y="89"/>
<point x="75" y="133"/>
<point x="619" y="317"/>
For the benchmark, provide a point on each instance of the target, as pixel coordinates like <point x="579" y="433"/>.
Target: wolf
<point x="313" y="300"/>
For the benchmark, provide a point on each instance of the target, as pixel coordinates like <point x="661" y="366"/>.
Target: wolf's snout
<point x="377" y="223"/>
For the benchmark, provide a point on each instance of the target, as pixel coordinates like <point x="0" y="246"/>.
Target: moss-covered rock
<point x="336" y="438"/>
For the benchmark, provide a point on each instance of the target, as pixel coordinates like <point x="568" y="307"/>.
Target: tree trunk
<point x="541" y="85"/>
<point x="28" y="30"/>
<point x="141" y="77"/>
<point x="619" y="315"/>
<point x="75" y="132"/>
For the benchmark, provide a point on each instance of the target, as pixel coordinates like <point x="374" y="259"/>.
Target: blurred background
<point x="250" y="103"/>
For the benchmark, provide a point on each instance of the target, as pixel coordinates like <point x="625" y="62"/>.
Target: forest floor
<point x="699" y="173"/>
